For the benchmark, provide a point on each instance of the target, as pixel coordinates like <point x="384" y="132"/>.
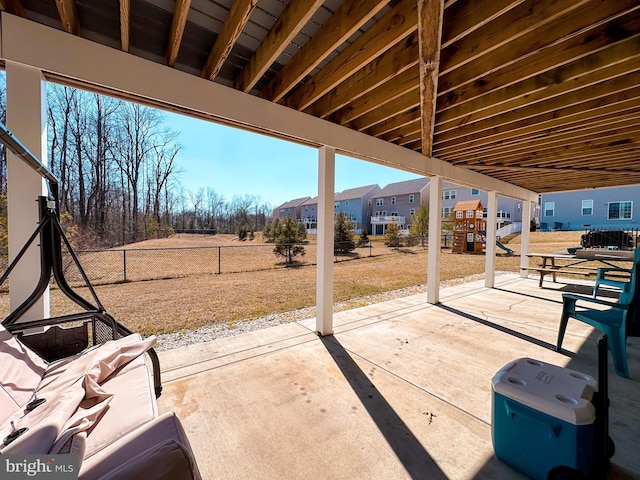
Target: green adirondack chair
<point x="618" y="322"/>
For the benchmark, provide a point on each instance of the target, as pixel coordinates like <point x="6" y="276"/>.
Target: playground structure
<point x="469" y="228"/>
<point x="468" y="223"/>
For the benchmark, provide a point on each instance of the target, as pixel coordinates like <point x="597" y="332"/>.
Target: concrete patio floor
<point x="401" y="390"/>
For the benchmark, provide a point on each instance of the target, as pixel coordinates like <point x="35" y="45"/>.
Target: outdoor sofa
<point x="99" y="404"/>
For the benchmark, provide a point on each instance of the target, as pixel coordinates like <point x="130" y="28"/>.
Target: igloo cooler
<point x="549" y="422"/>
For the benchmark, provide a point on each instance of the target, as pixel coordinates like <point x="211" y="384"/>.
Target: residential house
<point x="595" y="208"/>
<point x="291" y="209"/>
<point x="354" y="202"/>
<point x="396" y="203"/>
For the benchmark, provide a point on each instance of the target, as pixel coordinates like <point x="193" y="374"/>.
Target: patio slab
<point x="401" y="390"/>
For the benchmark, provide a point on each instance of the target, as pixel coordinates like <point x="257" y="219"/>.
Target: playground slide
<point x="498" y="244"/>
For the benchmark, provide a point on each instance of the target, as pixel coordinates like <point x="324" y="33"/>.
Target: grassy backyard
<point x="165" y="305"/>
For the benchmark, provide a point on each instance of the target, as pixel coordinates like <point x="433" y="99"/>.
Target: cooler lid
<point x="559" y="392"/>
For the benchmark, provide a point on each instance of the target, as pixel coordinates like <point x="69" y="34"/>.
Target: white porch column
<point x="324" y="279"/>
<point x="490" y="247"/>
<point x="524" y="238"/>
<point x="435" y="232"/>
<point x="26" y="118"/>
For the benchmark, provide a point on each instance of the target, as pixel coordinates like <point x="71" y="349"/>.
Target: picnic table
<point x="576" y="264"/>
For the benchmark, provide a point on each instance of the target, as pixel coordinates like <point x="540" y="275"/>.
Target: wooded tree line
<point x="119" y="178"/>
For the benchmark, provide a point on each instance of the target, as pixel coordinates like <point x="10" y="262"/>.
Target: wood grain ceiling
<point x="544" y="94"/>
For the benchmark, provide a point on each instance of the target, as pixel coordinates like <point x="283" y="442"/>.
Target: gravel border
<point x="181" y="338"/>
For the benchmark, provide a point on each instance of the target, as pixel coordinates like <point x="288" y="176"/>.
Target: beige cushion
<point x="22" y="371"/>
<point x="134" y="404"/>
<point x="141" y="449"/>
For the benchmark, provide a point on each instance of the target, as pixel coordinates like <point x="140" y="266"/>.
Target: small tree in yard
<point x="343" y="234"/>
<point x="287" y="234"/>
<point x="364" y="237"/>
<point x="392" y="236"/>
<point x="420" y="225"/>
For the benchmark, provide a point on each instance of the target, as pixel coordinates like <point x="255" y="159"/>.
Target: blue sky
<point x="236" y="162"/>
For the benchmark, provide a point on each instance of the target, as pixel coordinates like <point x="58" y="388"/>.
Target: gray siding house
<point x="595" y="208"/>
<point x="396" y="203"/>
<point x="291" y="209"/>
<point x="353" y="202"/>
<point x="356" y="204"/>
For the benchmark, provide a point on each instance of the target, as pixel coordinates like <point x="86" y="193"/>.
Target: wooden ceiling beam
<point x="13" y="6"/>
<point x="472" y="16"/>
<point x="556" y="43"/>
<point x="178" y="23"/>
<point x="408" y="130"/>
<point x="231" y="29"/>
<point x="430" y="14"/>
<point x="385" y="70"/>
<point x="559" y="170"/>
<point x="618" y="59"/>
<point x="400" y="22"/>
<point x="352" y="15"/>
<point x="556" y="107"/>
<point x="68" y="16"/>
<point x="554" y="150"/>
<point x="125" y="24"/>
<point x="537" y="142"/>
<point x="525" y="18"/>
<point x="548" y="137"/>
<point x="386" y="92"/>
<point x="401" y="104"/>
<point x="289" y="23"/>
<point x="397" y="121"/>
<point x="620" y="104"/>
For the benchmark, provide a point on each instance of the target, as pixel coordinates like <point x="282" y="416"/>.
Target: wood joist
<point x="522" y="90"/>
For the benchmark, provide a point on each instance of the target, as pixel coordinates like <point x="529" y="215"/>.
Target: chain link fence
<point x="112" y="266"/>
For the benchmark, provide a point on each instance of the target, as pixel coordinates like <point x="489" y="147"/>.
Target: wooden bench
<point x="568" y="270"/>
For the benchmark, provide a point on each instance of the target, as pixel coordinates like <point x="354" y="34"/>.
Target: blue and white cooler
<point x="544" y="418"/>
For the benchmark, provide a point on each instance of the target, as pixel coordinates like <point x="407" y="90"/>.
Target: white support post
<point x="324" y="279"/>
<point x="26" y="118"/>
<point x="490" y="240"/>
<point x="524" y="238"/>
<point x="435" y="233"/>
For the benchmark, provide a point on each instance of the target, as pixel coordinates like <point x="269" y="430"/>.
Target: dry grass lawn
<point x="159" y="306"/>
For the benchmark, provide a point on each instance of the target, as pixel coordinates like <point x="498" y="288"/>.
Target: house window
<point x="446" y="212"/>
<point x="470" y="214"/>
<point x="379" y="202"/>
<point x="549" y="209"/>
<point x="475" y="191"/>
<point x="393" y="200"/>
<point x="449" y="194"/>
<point x="336" y="205"/>
<point x="346" y="203"/>
<point x="411" y="198"/>
<point x="412" y="211"/>
<point x="620" y="210"/>
<point x="459" y="214"/>
<point x="587" y="207"/>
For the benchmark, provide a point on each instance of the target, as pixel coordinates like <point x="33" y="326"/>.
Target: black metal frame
<point x="51" y="235"/>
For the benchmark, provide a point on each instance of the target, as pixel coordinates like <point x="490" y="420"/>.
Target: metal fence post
<point x="124" y="265"/>
<point x="219" y="259"/>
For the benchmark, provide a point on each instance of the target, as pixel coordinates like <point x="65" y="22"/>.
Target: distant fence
<point x="138" y="264"/>
<point x="112" y="266"/>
